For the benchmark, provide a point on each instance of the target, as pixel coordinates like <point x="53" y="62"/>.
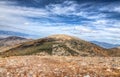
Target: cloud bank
<point x="88" y="20"/>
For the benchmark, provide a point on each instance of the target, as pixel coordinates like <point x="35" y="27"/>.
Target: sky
<point x="91" y="20"/>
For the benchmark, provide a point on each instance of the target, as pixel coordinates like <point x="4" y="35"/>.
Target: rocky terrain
<point x="59" y="66"/>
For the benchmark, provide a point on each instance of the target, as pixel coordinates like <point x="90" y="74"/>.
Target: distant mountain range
<point x="105" y="45"/>
<point x="8" y="42"/>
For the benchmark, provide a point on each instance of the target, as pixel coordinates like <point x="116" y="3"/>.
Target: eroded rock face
<point x="59" y="66"/>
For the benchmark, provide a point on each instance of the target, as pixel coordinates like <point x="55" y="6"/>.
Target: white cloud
<point x="83" y="29"/>
<point x="113" y="7"/>
<point x="23" y="11"/>
<point x="117" y="9"/>
<point x="101" y="28"/>
<point x="66" y="8"/>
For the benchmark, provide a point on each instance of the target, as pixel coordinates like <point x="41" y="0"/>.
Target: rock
<point x="86" y="76"/>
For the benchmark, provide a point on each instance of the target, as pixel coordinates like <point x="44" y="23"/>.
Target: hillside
<point x="8" y="42"/>
<point x="114" y="52"/>
<point x="61" y="45"/>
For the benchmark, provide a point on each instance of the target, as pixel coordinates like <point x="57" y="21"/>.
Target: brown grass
<point x="58" y="66"/>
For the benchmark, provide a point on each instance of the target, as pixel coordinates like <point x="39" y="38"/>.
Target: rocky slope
<point x="61" y="45"/>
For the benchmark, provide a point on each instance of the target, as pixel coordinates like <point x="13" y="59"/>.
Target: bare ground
<point x="56" y="66"/>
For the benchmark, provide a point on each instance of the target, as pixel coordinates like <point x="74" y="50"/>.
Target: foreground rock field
<point x="54" y="66"/>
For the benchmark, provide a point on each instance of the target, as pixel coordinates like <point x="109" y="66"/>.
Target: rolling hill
<point x="60" y="45"/>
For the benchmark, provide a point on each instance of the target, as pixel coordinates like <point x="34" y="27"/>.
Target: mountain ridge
<point x="61" y="45"/>
<point x="105" y="45"/>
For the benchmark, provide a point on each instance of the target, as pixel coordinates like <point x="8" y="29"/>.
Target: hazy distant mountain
<point x="12" y="40"/>
<point x="62" y="45"/>
<point x="105" y="45"/>
<point x="8" y="42"/>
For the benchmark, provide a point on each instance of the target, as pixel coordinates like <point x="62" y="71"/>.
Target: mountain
<point x="12" y="40"/>
<point x="61" y="45"/>
<point x="112" y="49"/>
<point x="8" y="42"/>
<point x="105" y="45"/>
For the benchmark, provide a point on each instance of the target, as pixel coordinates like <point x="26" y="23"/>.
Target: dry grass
<point x="58" y="66"/>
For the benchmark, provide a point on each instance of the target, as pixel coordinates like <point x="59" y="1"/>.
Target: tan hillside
<point x="61" y="45"/>
<point x="114" y="52"/>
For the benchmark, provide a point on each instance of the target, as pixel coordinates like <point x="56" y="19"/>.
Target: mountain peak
<point x="62" y="37"/>
<point x="15" y="37"/>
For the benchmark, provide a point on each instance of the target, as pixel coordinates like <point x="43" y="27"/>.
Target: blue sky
<point x="92" y="20"/>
